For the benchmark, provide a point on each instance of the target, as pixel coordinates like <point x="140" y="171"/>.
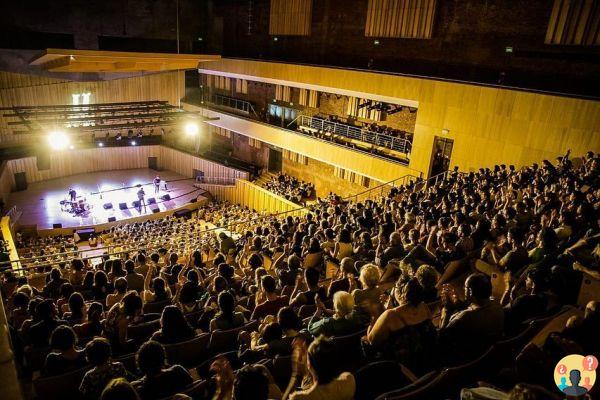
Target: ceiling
<point x="64" y="60"/>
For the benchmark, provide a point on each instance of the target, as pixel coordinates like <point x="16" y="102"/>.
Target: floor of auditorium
<point x="41" y="202"/>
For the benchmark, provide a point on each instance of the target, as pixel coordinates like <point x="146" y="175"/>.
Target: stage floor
<point x="40" y="203"/>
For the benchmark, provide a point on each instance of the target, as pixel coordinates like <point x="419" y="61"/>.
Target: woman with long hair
<point x="174" y="328"/>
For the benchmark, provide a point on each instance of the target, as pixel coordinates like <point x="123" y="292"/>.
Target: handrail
<point x="231" y="102"/>
<point x="354" y="132"/>
<point x="230" y="228"/>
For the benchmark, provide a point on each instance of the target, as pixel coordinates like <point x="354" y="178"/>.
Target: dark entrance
<point x="275" y="160"/>
<point x="440" y="158"/>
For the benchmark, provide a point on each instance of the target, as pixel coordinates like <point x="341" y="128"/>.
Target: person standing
<point x="141" y="194"/>
<point x="157" y="184"/>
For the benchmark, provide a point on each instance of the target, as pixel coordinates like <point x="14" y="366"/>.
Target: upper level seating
<point x="399" y="265"/>
<point x="289" y="187"/>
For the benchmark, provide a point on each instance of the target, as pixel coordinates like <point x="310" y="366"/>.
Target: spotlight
<point x="58" y="140"/>
<point x="100" y="144"/>
<point x="191" y="129"/>
<point x="71" y="147"/>
<point x="133" y="142"/>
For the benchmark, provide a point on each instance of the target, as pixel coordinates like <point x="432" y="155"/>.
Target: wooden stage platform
<point x="40" y="203"/>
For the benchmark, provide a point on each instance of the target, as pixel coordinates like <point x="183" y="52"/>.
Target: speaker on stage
<point x="136" y="203"/>
<point x="165" y="197"/>
<point x="56" y="226"/>
<point x="122" y="206"/>
<point x="151" y="200"/>
<point x="112" y="219"/>
<point x="108" y="206"/>
<point x="155" y="210"/>
<point x="195" y="199"/>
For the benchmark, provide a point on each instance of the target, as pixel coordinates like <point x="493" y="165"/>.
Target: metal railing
<point x="353" y="132"/>
<point x="232" y="103"/>
<point x="193" y="240"/>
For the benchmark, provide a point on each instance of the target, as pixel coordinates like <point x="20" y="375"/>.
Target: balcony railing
<point x="233" y="103"/>
<point x="353" y="132"/>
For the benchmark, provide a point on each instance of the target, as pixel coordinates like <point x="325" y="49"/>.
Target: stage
<point x="41" y="202"/>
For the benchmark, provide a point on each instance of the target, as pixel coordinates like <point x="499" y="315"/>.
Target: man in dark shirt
<point x="159" y="380"/>
<point x="273" y="302"/>
<point x="533" y="303"/>
<point x="394" y="250"/>
<point x="470" y="332"/>
<point x="39" y="333"/>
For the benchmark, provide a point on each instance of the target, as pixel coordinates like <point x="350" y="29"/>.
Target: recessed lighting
<point x="376" y="42"/>
<point x="275" y="39"/>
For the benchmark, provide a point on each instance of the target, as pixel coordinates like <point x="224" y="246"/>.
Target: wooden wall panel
<point x="67" y="163"/>
<point x="574" y="22"/>
<point x="252" y="196"/>
<point x="29" y="90"/>
<point x="184" y="164"/>
<point x="489" y="125"/>
<point x="290" y="17"/>
<point x="6" y="181"/>
<point x="400" y="18"/>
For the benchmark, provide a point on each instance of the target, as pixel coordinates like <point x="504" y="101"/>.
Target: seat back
<point x="588" y="290"/>
<point x="142" y="332"/>
<point x="128" y="361"/>
<point x="156" y="307"/>
<point x="281" y="370"/>
<point x="197" y="390"/>
<point x="35" y="358"/>
<point x="287" y="291"/>
<point x="377" y="378"/>
<point x="231" y="356"/>
<point x="349" y="350"/>
<point x="412" y="387"/>
<point x="58" y="387"/>
<point x="306" y="311"/>
<point x="189" y="353"/>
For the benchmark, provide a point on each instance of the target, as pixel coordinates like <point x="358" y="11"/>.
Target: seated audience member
<point x="77" y="310"/>
<point x="254" y="382"/>
<point x="159" y="380"/>
<point x="19" y="311"/>
<point x="534" y="303"/>
<point x="406" y="332"/>
<point x="155" y="290"/>
<point x="470" y="332"/>
<point x="341" y="323"/>
<point x="174" y="328"/>
<point x="345" y="279"/>
<point x="289" y="272"/>
<point x="227" y="318"/>
<point x="98" y="355"/>
<point x="189" y="296"/>
<point x="116" y="270"/>
<point x="367" y="300"/>
<point x="64" y="357"/>
<point x="39" y="333"/>
<point x="123" y="314"/>
<point x="272" y="302"/>
<point x="135" y="280"/>
<point x="428" y="278"/>
<point x="101" y="287"/>
<point x="117" y="296"/>
<point x="328" y="383"/>
<point x="93" y="325"/>
<point x="77" y="273"/>
<point x="66" y="290"/>
<point x="392" y="251"/>
<point x="301" y="297"/>
<point x="119" y="389"/>
<point x="52" y="287"/>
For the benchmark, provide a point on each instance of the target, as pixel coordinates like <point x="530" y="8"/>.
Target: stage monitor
<point x="122" y="206"/>
<point x="151" y="200"/>
<point x="165" y="197"/>
<point x="155" y="210"/>
<point x="108" y="206"/>
<point x="56" y="226"/>
<point x="112" y="219"/>
<point x="136" y="204"/>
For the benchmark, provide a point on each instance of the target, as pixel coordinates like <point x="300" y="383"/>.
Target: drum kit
<point x="78" y="207"/>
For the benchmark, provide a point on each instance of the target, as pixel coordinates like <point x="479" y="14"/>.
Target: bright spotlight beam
<point x="191" y="129"/>
<point x="58" y="140"/>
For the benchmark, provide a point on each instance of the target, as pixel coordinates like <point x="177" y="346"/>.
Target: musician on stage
<point x="72" y="194"/>
<point x="157" y="184"/>
<point x="140" y="195"/>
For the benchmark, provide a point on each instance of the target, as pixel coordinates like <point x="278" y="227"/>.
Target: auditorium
<point x="299" y="199"/>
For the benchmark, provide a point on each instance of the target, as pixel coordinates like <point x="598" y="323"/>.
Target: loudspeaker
<point x="56" y="226"/>
<point x="136" y="204"/>
<point x="122" y="206"/>
<point x="107" y="206"/>
<point x="21" y="181"/>
<point x="195" y="199"/>
<point x="155" y="210"/>
<point x="151" y="200"/>
<point x="165" y="197"/>
<point x="112" y="219"/>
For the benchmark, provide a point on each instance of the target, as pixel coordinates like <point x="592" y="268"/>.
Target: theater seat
<point x="189" y="353"/>
<point x="377" y="378"/>
<point x="197" y="390"/>
<point x="349" y="350"/>
<point x="231" y="356"/>
<point x="156" y="307"/>
<point x="58" y="387"/>
<point x="223" y="341"/>
<point x="142" y="332"/>
<point x="306" y="311"/>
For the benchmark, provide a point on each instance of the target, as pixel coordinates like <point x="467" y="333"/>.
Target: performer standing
<point x="72" y="194"/>
<point x="140" y="195"/>
<point x="157" y="184"/>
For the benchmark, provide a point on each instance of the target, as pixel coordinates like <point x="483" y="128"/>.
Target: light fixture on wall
<point x="445" y="131"/>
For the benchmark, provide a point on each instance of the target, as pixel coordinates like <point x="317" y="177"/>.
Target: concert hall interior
<point x="299" y="199"/>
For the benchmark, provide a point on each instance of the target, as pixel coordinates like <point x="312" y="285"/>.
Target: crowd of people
<point x="292" y="188"/>
<point x="409" y="272"/>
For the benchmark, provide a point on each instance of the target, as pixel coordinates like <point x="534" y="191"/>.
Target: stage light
<point x="100" y="144"/>
<point x="133" y="143"/>
<point x="58" y="140"/>
<point x="71" y="147"/>
<point x="191" y="129"/>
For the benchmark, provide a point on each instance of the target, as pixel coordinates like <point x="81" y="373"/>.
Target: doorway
<point x="275" y="161"/>
<point x="441" y="154"/>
